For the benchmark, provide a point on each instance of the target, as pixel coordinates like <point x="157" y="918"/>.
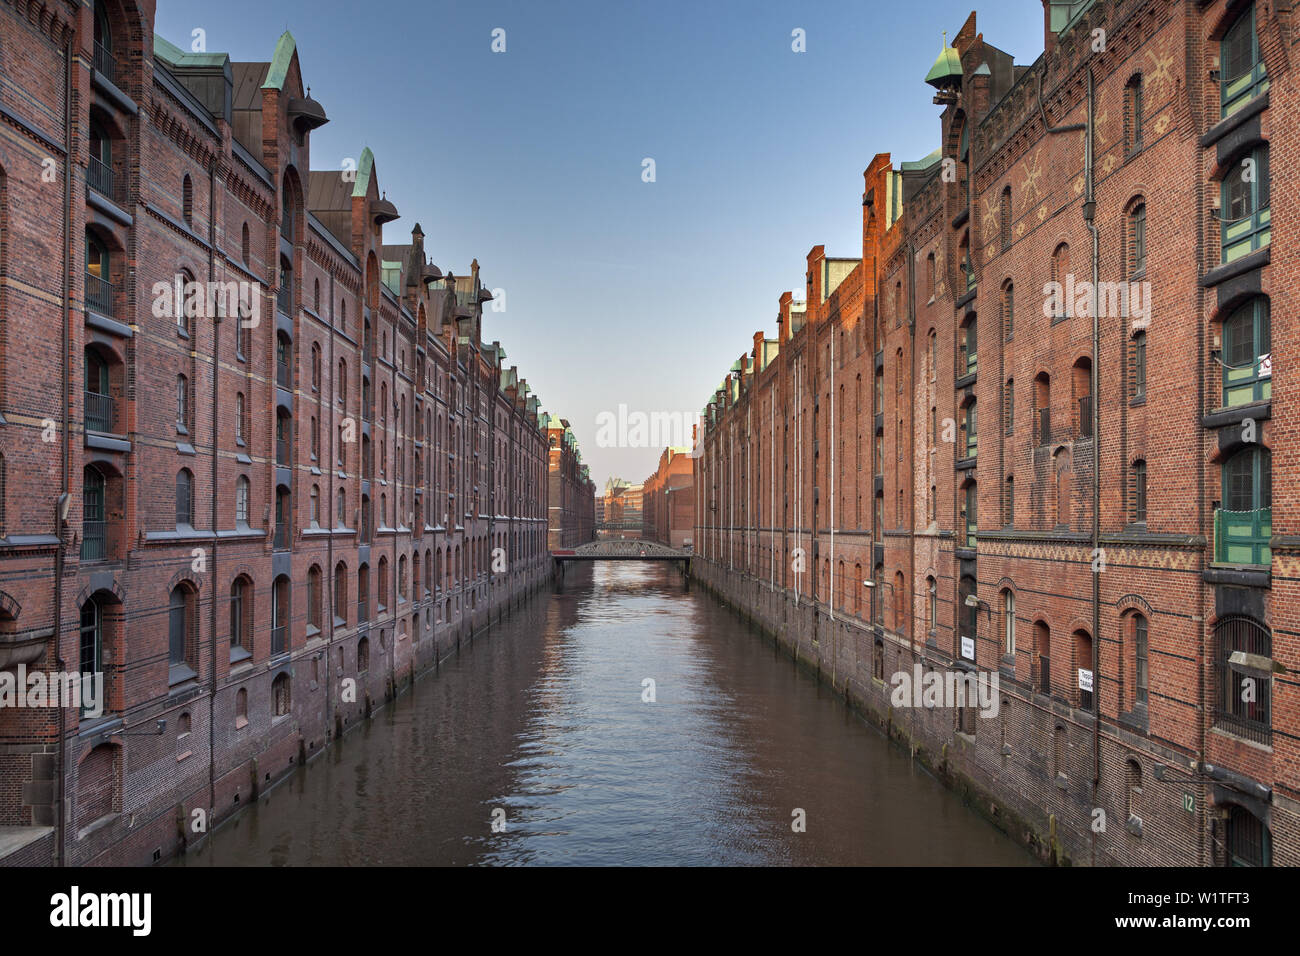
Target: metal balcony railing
<point x="99" y="177"/>
<point x="1242" y="537"/>
<point x="99" y="412"/>
<point x="99" y="294"/>
<point x="105" y="63"/>
<point x="94" y="540"/>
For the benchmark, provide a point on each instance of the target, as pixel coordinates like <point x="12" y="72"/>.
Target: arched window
<point x="363" y="655"/>
<point x="281" y="604"/>
<point x="1043" y="645"/>
<point x="970" y="430"/>
<point x="1243" y="526"/>
<point x="363" y="593"/>
<point x="241" y="619"/>
<point x="1247" y="375"/>
<point x="99" y="172"/>
<point x="240" y="437"/>
<point x="1009" y="622"/>
<point x="1243" y="76"/>
<point x="280" y="703"/>
<point x="1141" y="661"/>
<point x="1132" y="791"/>
<point x="99" y="271"/>
<point x="1138" y="510"/>
<point x="92" y="647"/>
<point x="184" y="498"/>
<point x="315" y="298"/>
<point x="967" y="348"/>
<point x="932" y="605"/>
<point x="187" y="200"/>
<point x="1133" y="114"/>
<point x="1139" y="366"/>
<point x="1008" y="310"/>
<point x="1060" y="274"/>
<point x="105" y="63"/>
<point x="94" y="539"/>
<point x="314" y="505"/>
<point x="340" y="594"/>
<point x="315" y="367"/>
<point x="313" y="598"/>
<point x="180" y="621"/>
<point x="245" y="245"/>
<point x="970" y="514"/>
<point x="1137" y="240"/>
<point x="1244" y="205"/>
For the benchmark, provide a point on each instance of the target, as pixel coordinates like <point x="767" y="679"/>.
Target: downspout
<point x="911" y="530"/>
<point x="911" y="538"/>
<point x="327" y="585"/>
<point x="1089" y="216"/>
<point x="216" y="368"/>
<point x="60" y="841"/>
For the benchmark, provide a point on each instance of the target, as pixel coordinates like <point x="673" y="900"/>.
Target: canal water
<point x="536" y="745"/>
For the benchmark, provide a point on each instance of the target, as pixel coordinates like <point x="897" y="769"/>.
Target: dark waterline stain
<point x="541" y="723"/>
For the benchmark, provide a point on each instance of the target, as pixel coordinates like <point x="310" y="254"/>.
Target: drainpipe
<point x="60" y="842"/>
<point x="327" y="585"/>
<point x="216" y="367"/>
<point x="1089" y="216"/>
<point x="911" y="537"/>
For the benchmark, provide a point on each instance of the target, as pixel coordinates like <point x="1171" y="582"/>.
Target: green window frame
<point x="1242" y="74"/>
<point x="1244" y="206"/>
<point x="1246" y="342"/>
<point x="1244" y="525"/>
<point x="972" y="431"/>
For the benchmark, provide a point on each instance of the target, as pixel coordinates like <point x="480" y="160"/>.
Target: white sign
<point x="1266" y="366"/>
<point x="1085" y="680"/>
<point x="968" y="648"/>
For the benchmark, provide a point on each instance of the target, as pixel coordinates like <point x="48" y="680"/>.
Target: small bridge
<point x="622" y="551"/>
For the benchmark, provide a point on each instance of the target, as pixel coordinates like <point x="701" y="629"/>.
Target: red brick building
<point x="668" y="500"/>
<point x="944" y="461"/>
<point x="256" y="524"/>
<point x="571" y="494"/>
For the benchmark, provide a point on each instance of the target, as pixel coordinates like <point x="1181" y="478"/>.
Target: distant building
<point x="668" y="500"/>
<point x="570" y="493"/>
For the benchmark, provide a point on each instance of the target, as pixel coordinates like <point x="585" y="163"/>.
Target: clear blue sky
<point x="619" y="290"/>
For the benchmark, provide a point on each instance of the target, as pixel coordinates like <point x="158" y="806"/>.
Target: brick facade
<point x="668" y="500"/>
<point x="923" y="469"/>
<point x="258" y="529"/>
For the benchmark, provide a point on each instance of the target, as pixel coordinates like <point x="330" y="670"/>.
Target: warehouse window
<point x="1243" y="75"/>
